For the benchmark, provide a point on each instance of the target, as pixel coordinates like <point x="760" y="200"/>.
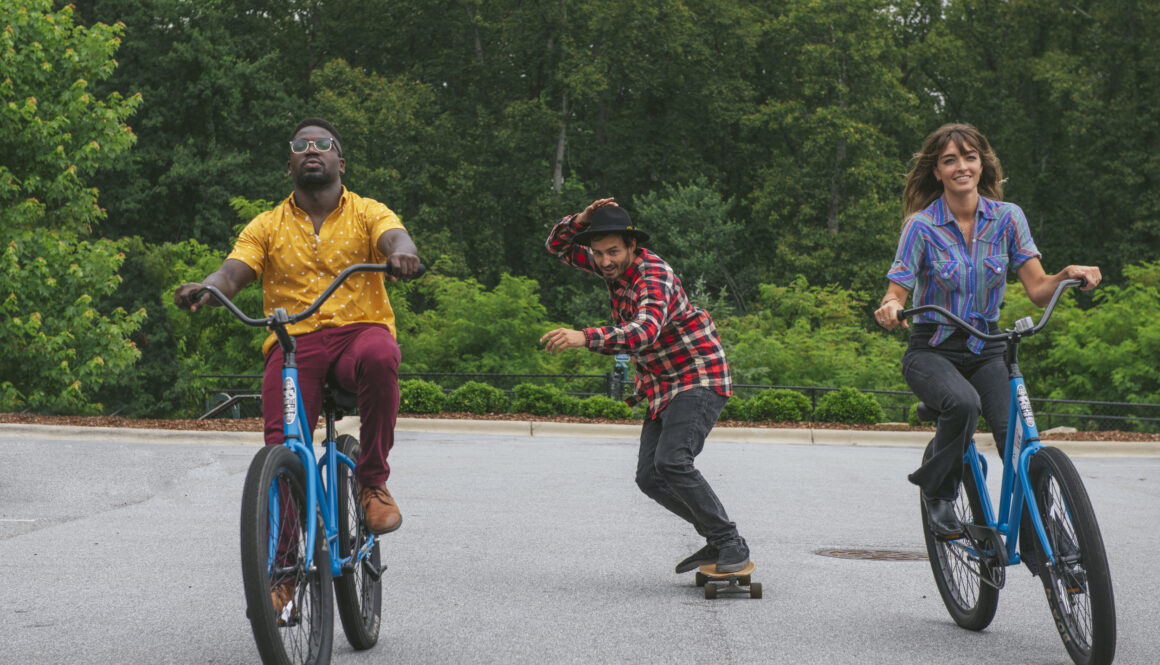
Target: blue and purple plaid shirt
<point x="934" y="263"/>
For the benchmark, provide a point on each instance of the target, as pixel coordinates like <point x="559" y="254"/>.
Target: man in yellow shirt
<point x="298" y="248"/>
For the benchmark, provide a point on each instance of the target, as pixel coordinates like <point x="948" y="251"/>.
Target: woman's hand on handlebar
<point x="403" y="265"/>
<point x="887" y="315"/>
<point x="1088" y="274"/>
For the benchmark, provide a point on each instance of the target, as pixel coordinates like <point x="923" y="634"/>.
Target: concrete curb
<point x="800" y="436"/>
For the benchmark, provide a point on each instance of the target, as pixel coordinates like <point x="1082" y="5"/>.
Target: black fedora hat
<point x="609" y="219"/>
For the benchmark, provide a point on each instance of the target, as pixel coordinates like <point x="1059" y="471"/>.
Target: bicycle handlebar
<point x="309" y="311"/>
<point x="963" y="325"/>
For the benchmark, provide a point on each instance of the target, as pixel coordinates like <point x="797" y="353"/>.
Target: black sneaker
<point x="707" y="554"/>
<point x="733" y="556"/>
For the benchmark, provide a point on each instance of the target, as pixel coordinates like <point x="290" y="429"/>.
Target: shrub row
<point x="418" y="396"/>
<point x="841" y="406"/>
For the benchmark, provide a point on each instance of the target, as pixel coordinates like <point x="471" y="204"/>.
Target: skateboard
<point x="737" y="582"/>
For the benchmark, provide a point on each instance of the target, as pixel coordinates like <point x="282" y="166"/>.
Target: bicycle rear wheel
<point x="1078" y="585"/>
<point x="359" y="590"/>
<point x="273" y="535"/>
<point x="959" y="572"/>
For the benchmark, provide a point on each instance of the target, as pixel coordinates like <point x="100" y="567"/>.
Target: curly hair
<point x="922" y="188"/>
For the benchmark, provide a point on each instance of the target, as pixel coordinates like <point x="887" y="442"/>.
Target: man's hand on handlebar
<point x="403" y="265"/>
<point x="184" y="298"/>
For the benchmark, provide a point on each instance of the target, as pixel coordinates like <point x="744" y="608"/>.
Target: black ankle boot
<point x="940" y="515"/>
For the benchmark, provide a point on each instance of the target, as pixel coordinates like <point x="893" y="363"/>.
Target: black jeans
<point x="664" y="471"/>
<point x="961" y="386"/>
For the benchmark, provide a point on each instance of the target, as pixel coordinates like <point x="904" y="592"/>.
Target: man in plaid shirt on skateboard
<point x="680" y="368"/>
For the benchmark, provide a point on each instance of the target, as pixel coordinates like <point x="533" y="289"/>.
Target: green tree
<point x="1109" y="351"/>
<point x="810" y="336"/>
<point x="1066" y="94"/>
<point x="692" y="229"/>
<point x="63" y="131"/>
<point x="58" y="346"/>
<point x="826" y="201"/>
<point x="222" y="85"/>
<point x="468" y="328"/>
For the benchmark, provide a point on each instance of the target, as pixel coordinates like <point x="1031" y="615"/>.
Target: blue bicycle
<point x="1058" y="537"/>
<point x="287" y="563"/>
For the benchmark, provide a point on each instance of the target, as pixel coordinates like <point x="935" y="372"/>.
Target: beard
<point x="312" y="180"/>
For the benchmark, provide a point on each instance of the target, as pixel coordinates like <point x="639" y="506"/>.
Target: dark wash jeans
<point x="664" y="471"/>
<point x="961" y="386"/>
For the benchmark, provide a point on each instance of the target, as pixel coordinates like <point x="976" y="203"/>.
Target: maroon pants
<point x="362" y="358"/>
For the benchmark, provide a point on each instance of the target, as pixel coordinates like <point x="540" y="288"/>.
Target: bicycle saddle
<point x="340" y="401"/>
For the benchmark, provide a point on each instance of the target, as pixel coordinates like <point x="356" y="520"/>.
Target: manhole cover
<point x="873" y="555"/>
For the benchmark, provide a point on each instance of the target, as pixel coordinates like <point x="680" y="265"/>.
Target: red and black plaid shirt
<point x="674" y="345"/>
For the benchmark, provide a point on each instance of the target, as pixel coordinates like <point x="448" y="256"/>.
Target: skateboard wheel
<point x="755" y="590"/>
<point x="701" y="579"/>
<point x="710" y="592"/>
<point x="743" y="580"/>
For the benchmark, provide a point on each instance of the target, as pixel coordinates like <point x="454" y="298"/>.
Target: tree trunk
<point x="475" y="33"/>
<point x="561" y="141"/>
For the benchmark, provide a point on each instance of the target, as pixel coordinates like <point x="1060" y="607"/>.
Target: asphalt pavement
<point x="534" y="547"/>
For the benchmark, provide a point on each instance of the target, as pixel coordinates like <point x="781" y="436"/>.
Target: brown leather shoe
<point x="281" y="595"/>
<point x="383" y="514"/>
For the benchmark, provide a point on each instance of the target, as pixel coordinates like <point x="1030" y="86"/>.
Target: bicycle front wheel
<point x="359" y="590"/>
<point x="290" y="606"/>
<point x="1078" y="585"/>
<point x="960" y="572"/>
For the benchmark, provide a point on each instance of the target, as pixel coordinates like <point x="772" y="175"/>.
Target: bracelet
<point x="888" y="299"/>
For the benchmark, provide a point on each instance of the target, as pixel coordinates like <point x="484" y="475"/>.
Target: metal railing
<point x="239" y="395"/>
<point x="242" y="394"/>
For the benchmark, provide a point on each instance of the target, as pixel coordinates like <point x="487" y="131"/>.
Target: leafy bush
<point x="800" y="335"/>
<point x="848" y="406"/>
<point x="777" y="404"/>
<point x="476" y="397"/>
<point x="60" y="345"/>
<point x="543" y="400"/>
<point x="418" y="396"/>
<point x="913" y="421"/>
<point x="912" y="416"/>
<point x="601" y="406"/>
<point x="734" y="409"/>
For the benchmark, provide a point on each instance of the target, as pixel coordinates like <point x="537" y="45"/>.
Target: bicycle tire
<point x="1078" y="585"/>
<point x="359" y="594"/>
<point x="969" y="600"/>
<point x="302" y="634"/>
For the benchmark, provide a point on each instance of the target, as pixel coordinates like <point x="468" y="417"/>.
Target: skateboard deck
<point x="735" y="582"/>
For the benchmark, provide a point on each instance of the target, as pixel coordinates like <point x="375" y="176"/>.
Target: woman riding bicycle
<point x="959" y="240"/>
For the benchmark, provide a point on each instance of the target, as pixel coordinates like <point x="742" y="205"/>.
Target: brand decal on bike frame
<point x="289" y="401"/>
<point x="1025" y="405"/>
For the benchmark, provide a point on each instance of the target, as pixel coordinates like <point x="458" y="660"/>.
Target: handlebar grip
<point x="391" y="271"/>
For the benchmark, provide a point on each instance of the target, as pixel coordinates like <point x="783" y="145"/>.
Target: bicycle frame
<point x="1022" y="440"/>
<point x="1015" y="493"/>
<point x="321" y="495"/>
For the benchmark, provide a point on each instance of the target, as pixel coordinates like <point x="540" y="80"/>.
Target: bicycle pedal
<point x="988" y="541"/>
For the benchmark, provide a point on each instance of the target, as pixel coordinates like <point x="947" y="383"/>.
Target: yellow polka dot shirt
<point x="296" y="265"/>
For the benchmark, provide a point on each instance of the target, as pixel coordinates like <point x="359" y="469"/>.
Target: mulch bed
<point x="255" y="424"/>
